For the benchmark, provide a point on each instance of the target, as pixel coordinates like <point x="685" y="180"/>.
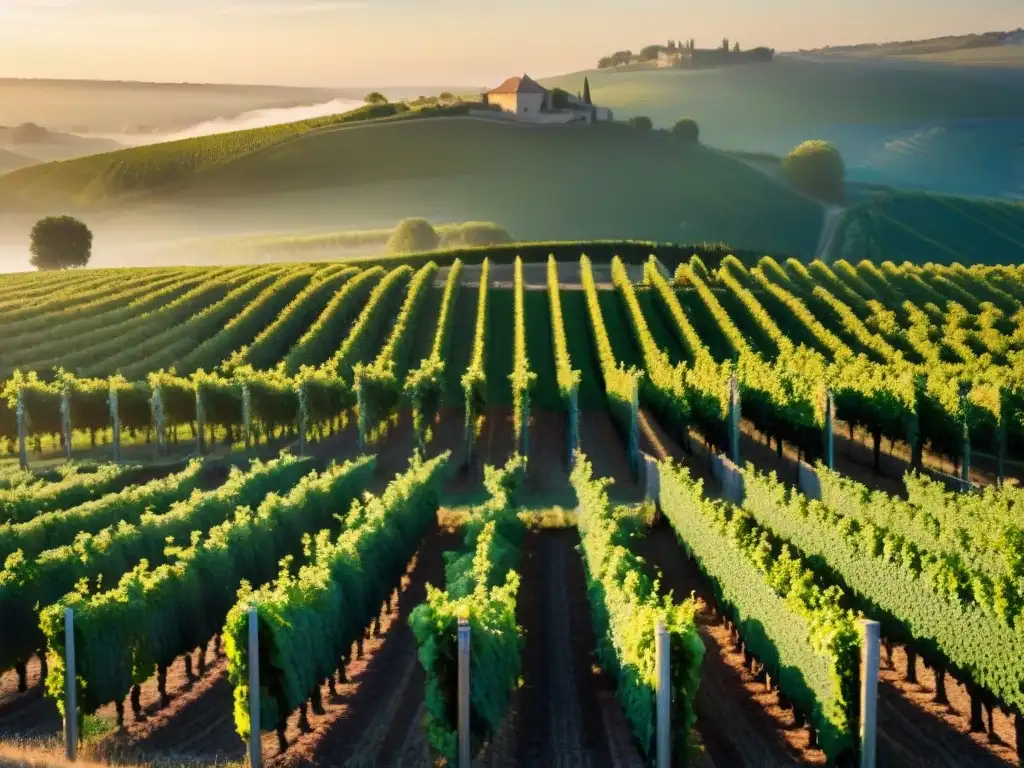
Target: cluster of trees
<point x="443" y="98"/>
<point x="417" y="235"/>
<point x="686" y="128"/>
<point x="560" y="96"/>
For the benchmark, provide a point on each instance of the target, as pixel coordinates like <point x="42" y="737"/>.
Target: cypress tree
<point x="586" y="91"/>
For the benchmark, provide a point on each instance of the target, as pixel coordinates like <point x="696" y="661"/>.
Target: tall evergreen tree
<point x="586" y="91"/>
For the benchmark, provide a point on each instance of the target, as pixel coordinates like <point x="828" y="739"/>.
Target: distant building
<point x="525" y="100"/>
<point x="520" y="96"/>
<point x="701" y="58"/>
<point x="670" y="58"/>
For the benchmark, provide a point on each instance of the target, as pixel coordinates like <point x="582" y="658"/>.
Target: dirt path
<point x="833" y="213"/>
<point x="547" y="478"/>
<point x="829" y="229"/>
<point x="603" y="444"/>
<point x="29" y="714"/>
<point x="567" y="714"/>
<point x="655" y="441"/>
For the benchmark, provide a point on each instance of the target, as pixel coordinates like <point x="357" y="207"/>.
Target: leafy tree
<point x="586" y="91"/>
<point x="817" y="168"/>
<point x="687" y="128"/>
<point x="376" y="98"/>
<point x="29" y="133"/>
<point x="446" y="97"/>
<point x="736" y="48"/>
<point x="60" y="242"/>
<point x="649" y="52"/>
<point x="559" y="98"/>
<point x="641" y="123"/>
<point x="725" y="43"/>
<point x="413" y="236"/>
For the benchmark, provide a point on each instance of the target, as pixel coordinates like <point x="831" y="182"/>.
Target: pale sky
<point x="427" y="42"/>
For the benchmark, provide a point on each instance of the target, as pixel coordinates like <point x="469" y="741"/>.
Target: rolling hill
<point x="108" y="106"/>
<point x="564" y="183"/>
<point x="896" y="122"/>
<point x="12" y="161"/>
<point x="922" y="228"/>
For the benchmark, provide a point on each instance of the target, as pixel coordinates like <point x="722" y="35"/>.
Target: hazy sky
<point x="421" y="42"/>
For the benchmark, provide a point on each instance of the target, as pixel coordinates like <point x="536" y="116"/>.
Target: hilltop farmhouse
<point x="526" y="100"/>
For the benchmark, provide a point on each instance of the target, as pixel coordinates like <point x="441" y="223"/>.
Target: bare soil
<point x="547" y="454"/>
<point x="604" y="447"/>
<point x="566" y="712"/>
<point x="30" y="714"/>
<point x="656" y="441"/>
<point x="915" y="731"/>
<point x="196" y="726"/>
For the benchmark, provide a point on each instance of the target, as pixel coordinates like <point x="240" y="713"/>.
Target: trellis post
<point x="157" y="404"/>
<point x="870" y="637"/>
<point x="830" y="437"/>
<point x="115" y="421"/>
<point x="574" y="425"/>
<point x="525" y="448"/>
<point x="22" y="431"/>
<point x="734" y="419"/>
<point x="363" y="413"/>
<point x="65" y="419"/>
<point x="247" y="414"/>
<point x="255" y="758"/>
<point x="70" y="688"/>
<point x="663" y="695"/>
<point x="465" y="754"/>
<point x="200" y="421"/>
<point x="634" y="427"/>
<point x="303" y="418"/>
<point x="965" y="469"/>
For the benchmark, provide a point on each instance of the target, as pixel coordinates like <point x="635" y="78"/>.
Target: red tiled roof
<point x="524" y="84"/>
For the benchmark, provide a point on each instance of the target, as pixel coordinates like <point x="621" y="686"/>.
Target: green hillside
<point x="991" y="56"/>
<point x="572" y="182"/>
<point x="11" y="161"/>
<point x="121" y="173"/>
<point x="922" y="228"/>
<point x="740" y="105"/>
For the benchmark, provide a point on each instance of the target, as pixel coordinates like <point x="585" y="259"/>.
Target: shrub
<point x="687" y="129"/>
<point x="817" y="168"/>
<point x="475" y="233"/>
<point x="641" y="123"/>
<point x="376" y="98"/>
<point x="413" y="236"/>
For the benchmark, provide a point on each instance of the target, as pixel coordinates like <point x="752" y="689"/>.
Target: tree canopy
<point x="376" y="98"/>
<point x="641" y="123"/>
<point x="60" y="242"/>
<point x="413" y="236"/>
<point x="817" y="168"/>
<point x="687" y="128"/>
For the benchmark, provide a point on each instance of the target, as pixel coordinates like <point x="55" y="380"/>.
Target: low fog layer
<point x="258" y="118"/>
